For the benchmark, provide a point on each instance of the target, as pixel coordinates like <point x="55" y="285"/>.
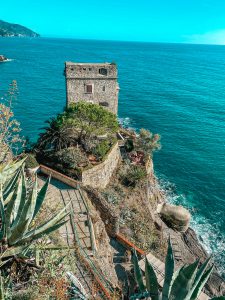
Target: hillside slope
<point x="9" y="29"/>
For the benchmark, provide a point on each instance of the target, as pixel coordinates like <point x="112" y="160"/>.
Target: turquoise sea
<point x="175" y="90"/>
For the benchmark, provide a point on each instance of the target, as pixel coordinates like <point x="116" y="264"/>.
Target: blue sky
<point x="194" y="21"/>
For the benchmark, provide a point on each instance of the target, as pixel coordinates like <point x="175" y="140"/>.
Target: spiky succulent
<point x="18" y="209"/>
<point x="183" y="284"/>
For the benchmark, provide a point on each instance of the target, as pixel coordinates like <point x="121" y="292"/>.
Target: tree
<point x="56" y="135"/>
<point x="88" y="120"/>
<point x="80" y="124"/>
<point x="10" y="139"/>
<point x="147" y="141"/>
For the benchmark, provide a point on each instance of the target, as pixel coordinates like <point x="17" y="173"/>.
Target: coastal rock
<point x="2" y="58"/>
<point x="176" y="217"/>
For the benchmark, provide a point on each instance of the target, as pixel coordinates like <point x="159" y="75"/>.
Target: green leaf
<point x="2" y="216"/>
<point x="151" y="281"/>
<point x="138" y="273"/>
<point x="18" y="232"/>
<point x="204" y="278"/>
<point x="199" y="275"/>
<point x="9" y="210"/>
<point x="10" y="169"/>
<point x="2" y="293"/>
<point x="12" y="251"/>
<point x="11" y="185"/>
<point x="218" y="298"/>
<point x="46" y="231"/>
<point x="33" y="199"/>
<point x="184" y="281"/>
<point x="169" y="271"/>
<point x="54" y="220"/>
<point x="41" y="196"/>
<point x="22" y="201"/>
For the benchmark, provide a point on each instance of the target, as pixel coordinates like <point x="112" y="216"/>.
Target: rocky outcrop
<point x="176" y="217"/>
<point x="3" y="58"/>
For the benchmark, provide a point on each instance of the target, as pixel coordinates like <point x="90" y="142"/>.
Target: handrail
<point x="89" y="264"/>
<point x="90" y="225"/>
<point x="128" y="244"/>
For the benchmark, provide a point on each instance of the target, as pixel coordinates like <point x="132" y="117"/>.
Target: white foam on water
<point x="209" y="236"/>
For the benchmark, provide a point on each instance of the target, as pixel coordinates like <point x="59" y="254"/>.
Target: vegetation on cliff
<point x="12" y="30"/>
<point x="79" y="137"/>
<point x="10" y="138"/>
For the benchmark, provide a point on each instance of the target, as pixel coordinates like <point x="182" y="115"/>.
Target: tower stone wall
<point x="92" y="82"/>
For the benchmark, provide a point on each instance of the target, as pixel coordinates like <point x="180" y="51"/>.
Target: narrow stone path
<point x="77" y="233"/>
<point x="80" y="218"/>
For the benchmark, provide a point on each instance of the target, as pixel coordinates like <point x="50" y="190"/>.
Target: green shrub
<point x="129" y="145"/>
<point x="147" y="142"/>
<point x="132" y="175"/>
<point x="71" y="157"/>
<point x="102" y="149"/>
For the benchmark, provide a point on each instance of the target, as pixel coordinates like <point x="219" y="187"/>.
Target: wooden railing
<point x="129" y="244"/>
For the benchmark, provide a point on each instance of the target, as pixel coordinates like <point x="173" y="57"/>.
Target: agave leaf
<point x="2" y="293"/>
<point x="11" y="185"/>
<point x="184" y="281"/>
<point x="33" y="199"/>
<point x="12" y="251"/>
<point x="18" y="199"/>
<point x="54" y="220"/>
<point x="199" y="275"/>
<point x="218" y="298"/>
<point x="75" y="281"/>
<point x="151" y="281"/>
<point x="2" y="216"/>
<point x="10" y="169"/>
<point x="25" y="213"/>
<point x="19" y="206"/>
<point x="169" y="271"/>
<point x="138" y="273"/>
<point x="36" y="236"/>
<point x="9" y="210"/>
<point x="18" y="232"/>
<point x="41" y="196"/>
<point x="8" y="199"/>
<point x="204" y="278"/>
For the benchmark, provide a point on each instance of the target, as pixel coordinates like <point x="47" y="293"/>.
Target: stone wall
<point x="59" y="176"/>
<point x="110" y="215"/>
<point x="104" y="86"/>
<point x="99" y="176"/>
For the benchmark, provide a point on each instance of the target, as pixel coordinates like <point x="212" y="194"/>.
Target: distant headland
<point x="15" y="30"/>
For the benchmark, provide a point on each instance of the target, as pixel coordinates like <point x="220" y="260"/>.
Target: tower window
<point x="103" y="71"/>
<point x="103" y="88"/>
<point x="89" y="88"/>
<point x="106" y="104"/>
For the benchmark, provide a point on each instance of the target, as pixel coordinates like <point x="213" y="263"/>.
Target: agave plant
<point x="18" y="209"/>
<point x="183" y="284"/>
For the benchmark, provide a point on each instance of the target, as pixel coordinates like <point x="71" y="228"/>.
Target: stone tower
<point x="92" y="82"/>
